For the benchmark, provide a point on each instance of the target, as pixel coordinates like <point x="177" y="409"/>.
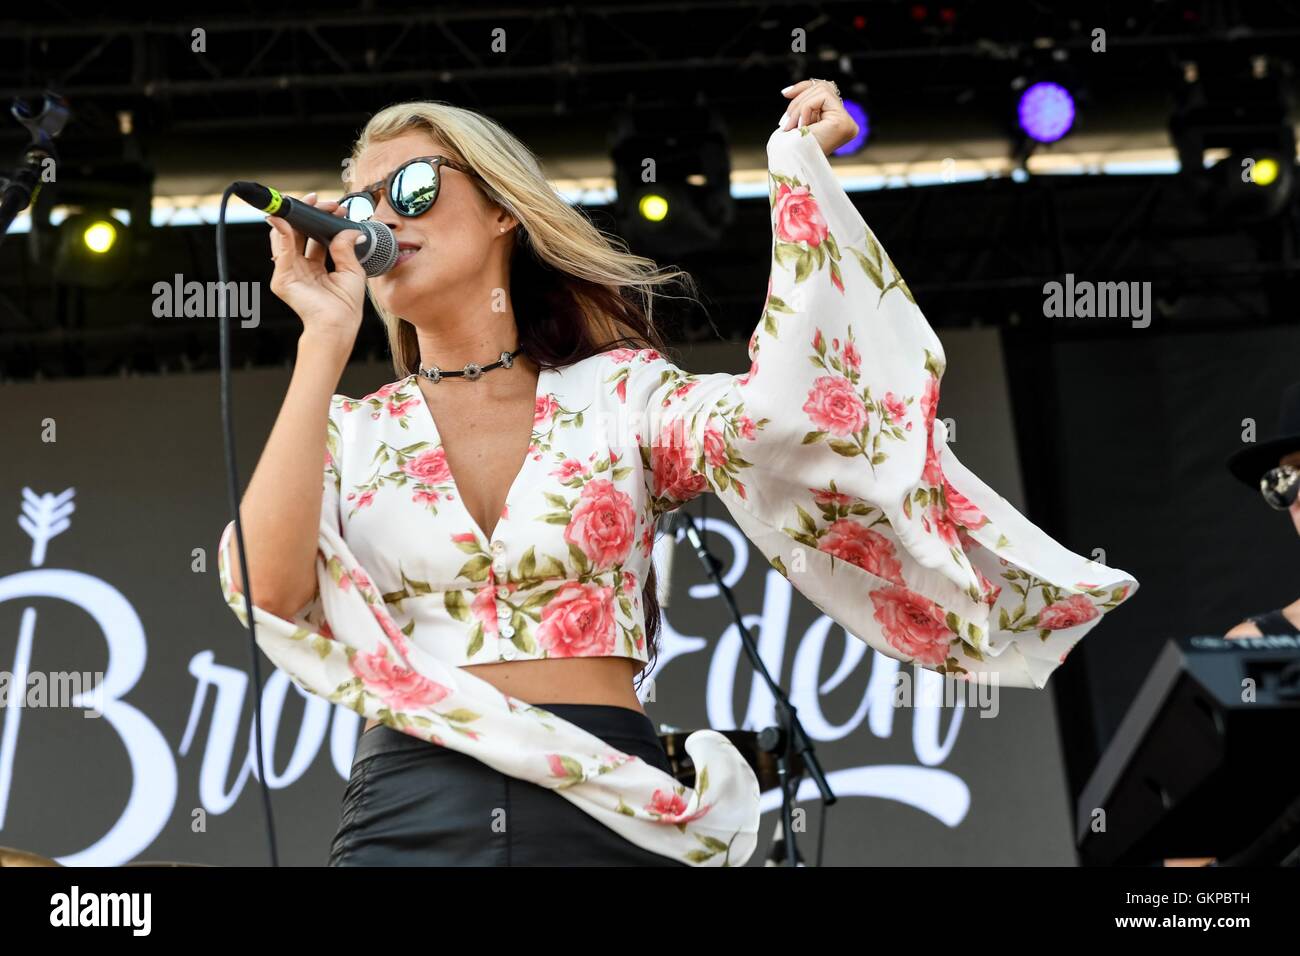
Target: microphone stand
<point x="788" y="737"/>
<point x="18" y="188"/>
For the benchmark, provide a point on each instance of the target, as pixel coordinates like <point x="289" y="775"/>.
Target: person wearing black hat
<point x="1273" y="467"/>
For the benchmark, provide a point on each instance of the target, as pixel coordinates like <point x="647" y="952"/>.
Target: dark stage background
<point x="1140" y="466"/>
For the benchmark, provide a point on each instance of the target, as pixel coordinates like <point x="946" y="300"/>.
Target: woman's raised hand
<point x="813" y="103"/>
<point x="327" y="302"/>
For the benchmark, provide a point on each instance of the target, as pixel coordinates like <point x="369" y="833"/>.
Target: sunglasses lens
<point x="358" y="208"/>
<point x="1280" y="486"/>
<point x="414" y="188"/>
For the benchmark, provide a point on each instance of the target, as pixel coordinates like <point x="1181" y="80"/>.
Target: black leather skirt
<point x="412" y="803"/>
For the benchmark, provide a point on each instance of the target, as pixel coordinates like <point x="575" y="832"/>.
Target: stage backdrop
<point x="112" y="570"/>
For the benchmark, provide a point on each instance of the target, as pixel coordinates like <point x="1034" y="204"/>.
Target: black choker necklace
<point x="471" y="371"/>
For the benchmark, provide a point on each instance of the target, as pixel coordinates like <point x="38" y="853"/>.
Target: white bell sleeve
<point x="829" y="457"/>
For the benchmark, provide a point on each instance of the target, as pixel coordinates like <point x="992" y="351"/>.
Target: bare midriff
<point x="563" y="680"/>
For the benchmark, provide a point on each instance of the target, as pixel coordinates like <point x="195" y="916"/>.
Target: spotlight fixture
<point x="1236" y="145"/>
<point x="672" y="172"/>
<point x="653" y="207"/>
<point x="100" y="236"/>
<point x="94" y="250"/>
<point x="1046" y="111"/>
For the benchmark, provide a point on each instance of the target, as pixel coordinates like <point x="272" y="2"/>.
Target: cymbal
<point x="9" y="856"/>
<point x="162" y="863"/>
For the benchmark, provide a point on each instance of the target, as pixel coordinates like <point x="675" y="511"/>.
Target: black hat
<point x="1251" y="462"/>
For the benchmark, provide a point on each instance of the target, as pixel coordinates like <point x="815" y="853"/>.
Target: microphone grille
<point x="382" y="255"/>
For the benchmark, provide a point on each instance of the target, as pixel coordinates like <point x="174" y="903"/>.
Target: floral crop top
<point x="827" y="453"/>
<point x="562" y="572"/>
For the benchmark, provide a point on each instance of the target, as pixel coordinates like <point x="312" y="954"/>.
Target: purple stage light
<point x="1046" y="111"/>
<point x="854" y="109"/>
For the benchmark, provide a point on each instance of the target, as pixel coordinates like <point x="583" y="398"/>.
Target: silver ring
<point x="833" y="85"/>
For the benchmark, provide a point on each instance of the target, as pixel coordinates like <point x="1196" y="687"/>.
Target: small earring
<point x="502" y="229"/>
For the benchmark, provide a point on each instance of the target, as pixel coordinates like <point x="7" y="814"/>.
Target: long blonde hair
<point x="576" y="290"/>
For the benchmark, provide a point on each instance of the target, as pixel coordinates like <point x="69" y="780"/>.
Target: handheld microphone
<point x="377" y="254"/>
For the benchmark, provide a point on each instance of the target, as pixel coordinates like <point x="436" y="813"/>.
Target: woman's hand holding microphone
<point x="328" y="303"/>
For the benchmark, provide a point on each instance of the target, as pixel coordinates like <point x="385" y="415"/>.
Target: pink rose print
<point x="399" y="409"/>
<point x="578" y="621"/>
<point x="1073" y="610"/>
<point x="429" y="468"/>
<point x="681" y="390"/>
<point x="745" y="427"/>
<point x="569" y="469"/>
<point x="360" y="577"/>
<point x="603" y="523"/>
<point x="798" y="218"/>
<point x="932" y="474"/>
<point x="895" y="407"/>
<point x="851" y="357"/>
<point x="383" y="392"/>
<point x="545" y="407"/>
<point x="715" y="447"/>
<point x="386" y="622"/>
<point x="365" y="498"/>
<point x="929" y="403"/>
<point x="671" y="808"/>
<point x="825" y="497"/>
<point x="834" y="406"/>
<point x="629" y="582"/>
<point x="989" y="589"/>
<point x="484" y="609"/>
<point x="745" y="379"/>
<point x="673" y="465"/>
<point x="399" y="687"/>
<point x="556" y="764"/>
<point x="960" y="508"/>
<point x="619" y="356"/>
<point x="942" y="524"/>
<point x="862" y="547"/>
<point x="912" y="624"/>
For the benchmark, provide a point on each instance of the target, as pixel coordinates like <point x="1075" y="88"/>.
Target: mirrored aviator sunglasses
<point x="412" y="189"/>
<point x="1280" y="486"/>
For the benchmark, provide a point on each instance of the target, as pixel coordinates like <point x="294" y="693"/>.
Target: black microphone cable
<point x="232" y="488"/>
